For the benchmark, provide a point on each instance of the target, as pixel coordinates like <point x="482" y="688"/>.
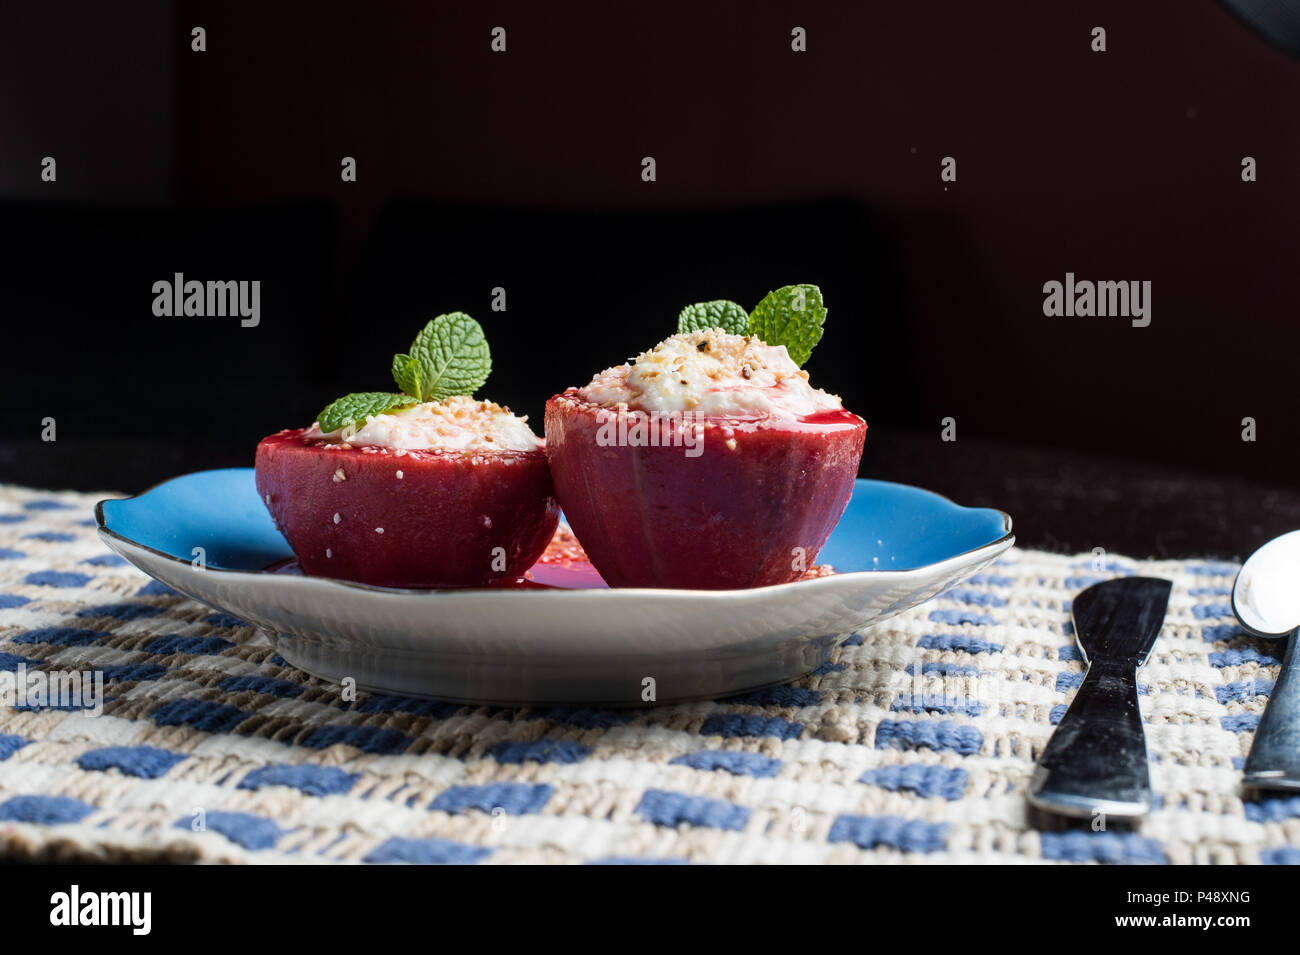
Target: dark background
<point x="523" y="170"/>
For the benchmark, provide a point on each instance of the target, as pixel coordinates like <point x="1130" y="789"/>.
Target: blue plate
<point x="208" y="535"/>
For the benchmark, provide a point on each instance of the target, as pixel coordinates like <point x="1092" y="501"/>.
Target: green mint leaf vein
<point x="453" y="357"/>
<point x="721" y="313"/>
<point x="791" y="316"/>
<point x="358" y="406"/>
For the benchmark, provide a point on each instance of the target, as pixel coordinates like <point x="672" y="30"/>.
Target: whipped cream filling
<point x="711" y="373"/>
<point x="458" y="423"/>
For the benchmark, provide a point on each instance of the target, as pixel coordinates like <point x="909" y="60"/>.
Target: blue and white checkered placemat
<point x="914" y="744"/>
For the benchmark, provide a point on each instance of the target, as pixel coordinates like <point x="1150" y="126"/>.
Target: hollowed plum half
<point x="750" y="505"/>
<point x="415" y="519"/>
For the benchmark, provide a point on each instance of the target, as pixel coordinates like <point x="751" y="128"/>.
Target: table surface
<point x="915" y="740"/>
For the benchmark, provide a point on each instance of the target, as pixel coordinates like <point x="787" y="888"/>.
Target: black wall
<point x="522" y="170"/>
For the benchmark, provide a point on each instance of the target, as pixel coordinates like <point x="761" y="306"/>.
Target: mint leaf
<point x="357" y="407"/>
<point x="721" y="313"/>
<point x="791" y="316"/>
<point x="406" y="372"/>
<point x="449" y="357"/>
<point x="452" y="355"/>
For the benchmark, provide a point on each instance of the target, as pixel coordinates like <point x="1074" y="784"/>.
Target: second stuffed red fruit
<point x="754" y="508"/>
<point x="665" y="489"/>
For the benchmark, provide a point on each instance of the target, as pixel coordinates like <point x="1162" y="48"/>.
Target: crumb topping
<point x="458" y="423"/>
<point x="711" y="373"/>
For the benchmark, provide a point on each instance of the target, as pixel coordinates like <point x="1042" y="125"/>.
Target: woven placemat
<point x="914" y="744"/>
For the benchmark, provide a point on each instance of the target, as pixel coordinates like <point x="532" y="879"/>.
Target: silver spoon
<point x="1266" y="600"/>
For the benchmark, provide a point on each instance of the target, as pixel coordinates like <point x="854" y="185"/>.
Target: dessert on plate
<point x="429" y="487"/>
<point x="709" y="461"/>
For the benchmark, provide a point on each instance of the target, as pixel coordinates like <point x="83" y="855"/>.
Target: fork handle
<point x="1274" y="760"/>
<point x="1096" y="760"/>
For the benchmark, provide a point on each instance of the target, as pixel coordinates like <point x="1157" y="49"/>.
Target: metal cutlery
<point x="1096" y="760"/>
<point x="1266" y="600"/>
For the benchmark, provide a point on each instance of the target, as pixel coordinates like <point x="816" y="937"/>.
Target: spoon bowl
<point x="1266" y="595"/>
<point x="1266" y="601"/>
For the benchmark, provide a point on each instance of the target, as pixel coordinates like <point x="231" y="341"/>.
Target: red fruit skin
<point x="730" y="518"/>
<point x="441" y="519"/>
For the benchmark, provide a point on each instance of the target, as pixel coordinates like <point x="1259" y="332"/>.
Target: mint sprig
<point x="791" y="316"/>
<point x="449" y="357"/>
<point x="721" y="313"/>
<point x="359" y="406"/>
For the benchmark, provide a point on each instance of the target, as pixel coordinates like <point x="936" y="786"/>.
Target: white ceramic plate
<point x="895" y="547"/>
